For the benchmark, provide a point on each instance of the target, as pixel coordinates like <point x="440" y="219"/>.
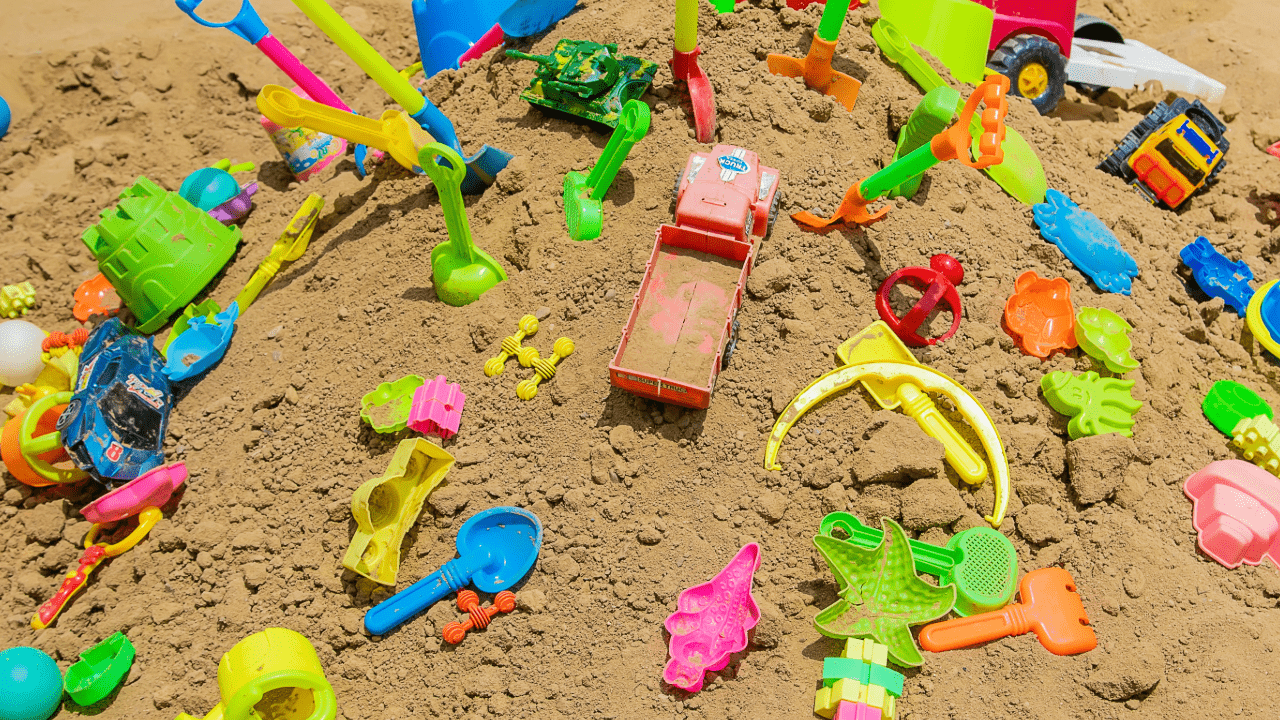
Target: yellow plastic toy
<point x="828" y="699"/>
<point x="527" y="326"/>
<point x="545" y="369"/>
<point x="1258" y="439"/>
<point x="292" y="243"/>
<point x="1257" y="326"/>
<point x="386" y="507"/>
<point x="895" y="374"/>
<point x="16" y="300"/>
<point x="60" y="367"/>
<point x="272" y="675"/>
<point x="878" y="342"/>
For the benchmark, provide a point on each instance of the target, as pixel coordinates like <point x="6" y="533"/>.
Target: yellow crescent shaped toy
<point x="843" y="378"/>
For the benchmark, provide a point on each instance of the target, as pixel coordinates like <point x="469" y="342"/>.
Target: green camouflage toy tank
<point x="587" y="79"/>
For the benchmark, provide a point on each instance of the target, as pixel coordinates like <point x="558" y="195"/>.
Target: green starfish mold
<point x="880" y="594"/>
<point x="1105" y="336"/>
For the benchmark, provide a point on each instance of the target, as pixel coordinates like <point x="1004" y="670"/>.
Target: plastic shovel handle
<point x="285" y="109"/>
<point x="632" y="127"/>
<point x="899" y="49"/>
<point x="914" y="163"/>
<point x="929" y="559"/>
<point x="413" y="600"/>
<point x="960" y="455"/>
<point x="833" y="19"/>
<point x="448" y="182"/>
<point x="247" y="23"/>
<point x="686" y="25"/>
<point x="973" y="630"/>
<point x="954" y="142"/>
<point x="299" y="73"/>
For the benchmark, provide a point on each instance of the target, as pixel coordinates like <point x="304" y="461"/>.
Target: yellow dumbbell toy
<point x="545" y="369"/>
<point x="528" y="325"/>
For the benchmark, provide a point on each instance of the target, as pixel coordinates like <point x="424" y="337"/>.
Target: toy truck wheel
<point x="1117" y="163"/>
<point x="1035" y="68"/>
<point x="730" y="346"/>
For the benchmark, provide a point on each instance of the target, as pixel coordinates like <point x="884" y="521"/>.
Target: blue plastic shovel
<point x="496" y="549"/>
<point x="451" y="32"/>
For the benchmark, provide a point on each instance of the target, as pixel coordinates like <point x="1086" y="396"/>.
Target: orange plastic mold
<point x="1039" y="316"/>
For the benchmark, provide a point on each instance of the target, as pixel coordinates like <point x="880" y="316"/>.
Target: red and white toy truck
<point x="682" y="328"/>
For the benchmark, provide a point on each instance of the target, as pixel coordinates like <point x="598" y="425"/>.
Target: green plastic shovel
<point x="1021" y="174"/>
<point x="460" y="271"/>
<point x="584" y="194"/>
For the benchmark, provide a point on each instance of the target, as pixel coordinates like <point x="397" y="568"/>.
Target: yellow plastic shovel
<point x="292" y="243"/>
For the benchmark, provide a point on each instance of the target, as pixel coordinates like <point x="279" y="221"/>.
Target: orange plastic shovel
<point x="816" y="68"/>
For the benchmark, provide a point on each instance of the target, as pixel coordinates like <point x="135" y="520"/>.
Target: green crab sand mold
<point x="1097" y="405"/>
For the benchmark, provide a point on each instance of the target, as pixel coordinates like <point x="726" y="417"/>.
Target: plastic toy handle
<point x="899" y="49"/>
<point x="147" y="519"/>
<point x="633" y="125"/>
<point x="283" y="108"/>
<point x="894" y="174"/>
<point x="71" y="584"/>
<point x="929" y="559"/>
<point x="300" y="74"/>
<point x="247" y="24"/>
<point x="448" y="181"/>
<point x="413" y="600"/>
<point x="954" y="142"/>
<point x="960" y="455"/>
<point x="833" y="19"/>
<point x="964" y="632"/>
<point x="686" y="25"/>
<point x="33" y="447"/>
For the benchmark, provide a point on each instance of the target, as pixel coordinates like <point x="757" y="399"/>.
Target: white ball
<point x="20" y="352"/>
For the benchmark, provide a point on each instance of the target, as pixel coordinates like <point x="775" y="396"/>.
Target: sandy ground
<point x="638" y="500"/>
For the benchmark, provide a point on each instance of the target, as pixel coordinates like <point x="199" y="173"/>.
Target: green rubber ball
<point x="30" y="685"/>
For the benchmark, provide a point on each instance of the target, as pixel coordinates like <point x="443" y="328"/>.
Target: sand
<point x="638" y="500"/>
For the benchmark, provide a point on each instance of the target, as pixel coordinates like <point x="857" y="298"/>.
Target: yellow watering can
<point x="272" y="675"/>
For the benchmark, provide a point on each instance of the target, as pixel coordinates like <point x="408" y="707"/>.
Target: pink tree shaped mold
<point x="712" y="621"/>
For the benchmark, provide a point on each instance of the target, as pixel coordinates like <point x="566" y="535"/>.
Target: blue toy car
<point x="114" y="426"/>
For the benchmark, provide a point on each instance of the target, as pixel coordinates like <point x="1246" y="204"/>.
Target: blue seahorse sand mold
<point x="1086" y="242"/>
<point x="1217" y="276"/>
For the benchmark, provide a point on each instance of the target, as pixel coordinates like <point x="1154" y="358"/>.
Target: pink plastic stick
<point x="299" y="73"/>
<point x="488" y="41"/>
<point x="712" y="621"/>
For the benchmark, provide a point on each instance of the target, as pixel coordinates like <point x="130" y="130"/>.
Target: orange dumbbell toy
<point x="469" y="602"/>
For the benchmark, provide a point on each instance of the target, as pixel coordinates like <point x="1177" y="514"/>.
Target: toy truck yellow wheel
<point x="1033" y="81"/>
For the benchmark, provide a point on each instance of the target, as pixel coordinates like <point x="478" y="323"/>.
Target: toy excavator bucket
<point x="853" y="209"/>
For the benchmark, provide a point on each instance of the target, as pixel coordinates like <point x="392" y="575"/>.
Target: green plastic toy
<point x="587" y="79"/>
<point x="1104" y="335"/>
<point x="954" y="31"/>
<point x="880" y="594"/>
<point x="931" y="116"/>
<point x="460" y="271"/>
<point x="100" y="671"/>
<point x="1228" y="402"/>
<point x="980" y="561"/>
<point x="1097" y="405"/>
<point x="1021" y="174"/>
<point x="386" y="408"/>
<point x="584" y="194"/>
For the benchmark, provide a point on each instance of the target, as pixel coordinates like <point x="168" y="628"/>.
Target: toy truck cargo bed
<point x="674" y="342"/>
<point x="1130" y="64"/>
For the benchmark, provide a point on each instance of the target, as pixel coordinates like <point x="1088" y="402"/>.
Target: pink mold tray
<point x="1236" y="510"/>
<point x="151" y="489"/>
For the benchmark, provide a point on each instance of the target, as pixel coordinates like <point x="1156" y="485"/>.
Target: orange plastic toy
<point x="11" y="447"/>
<point x="1039" y="316"/>
<point x="1050" y="608"/>
<point x="469" y="602"/>
<point x="96" y="296"/>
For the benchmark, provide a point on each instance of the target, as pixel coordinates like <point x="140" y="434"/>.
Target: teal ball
<point x="30" y="684"/>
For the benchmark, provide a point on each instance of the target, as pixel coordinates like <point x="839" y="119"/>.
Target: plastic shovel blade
<point x="853" y="209"/>
<point x="1021" y="174"/>
<point x="582" y="215"/>
<point x="483" y="168"/>
<point x="954" y="31"/>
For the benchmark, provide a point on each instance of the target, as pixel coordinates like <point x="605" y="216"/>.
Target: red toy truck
<point x="682" y="328"/>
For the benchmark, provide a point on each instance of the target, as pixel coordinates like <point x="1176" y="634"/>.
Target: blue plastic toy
<point x="496" y="549"/>
<point x="114" y="425"/>
<point x="209" y="187"/>
<point x="1086" y="242"/>
<point x="30" y="685"/>
<point x="5" y="116"/>
<point x="1217" y="276"/>
<point x="203" y="343"/>
<point x="449" y="29"/>
<point x="524" y="18"/>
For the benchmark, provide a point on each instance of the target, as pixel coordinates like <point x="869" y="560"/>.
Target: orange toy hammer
<point x="1050" y="607"/>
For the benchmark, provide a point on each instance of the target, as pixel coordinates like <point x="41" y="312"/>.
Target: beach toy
<point x="100" y="670"/>
<point x="587" y="80"/>
<point x="272" y="674"/>
<point x="1050" y="607"/>
<point x="1086" y="241"/>
<point x="481" y="168"/>
<point x="878" y="343"/>
<point x="20" y="361"/>
<point x="478" y="617"/>
<point x="711" y="622"/>
<point x="385" y="508"/>
<point x="880" y="594"/>
<point x="460" y="271"/>
<point x="16" y="300"/>
<point x="386" y="407"/>
<point x="207" y="309"/>
<point x="437" y="408"/>
<point x="202" y="345"/>
<point x="292" y="243"/>
<point x="1217" y="276"/>
<point x="32" y="444"/>
<point x="1039" y="316"/>
<point x="30" y="683"/>
<point x="544" y="369"/>
<point x="306" y="151"/>
<point x="527" y="326"/>
<point x="956" y="32"/>
<point x="1236" y="511"/>
<point x="150" y="489"/>
<point x="950" y="144"/>
<point x="815" y="67"/>
<point x="1274" y="150"/>
<point x="158" y="251"/>
<point x="1020" y="174"/>
<point x="95" y="296"/>
<point x="938" y="283"/>
<point x="5" y="116"/>
<point x="214" y="187"/>
<point x="1097" y="405"/>
<point x="1259" y="440"/>
<point x="94" y="554"/>
<point x="980" y="561"/>
<point x="1104" y="335"/>
<point x="1228" y="402"/>
<point x="1263" y="317"/>
<point x="857" y="684"/>
<point x="932" y="115"/>
<point x="684" y="66"/>
<point x="496" y="549"/>
<point x="451" y="32"/>
<point x="584" y="194"/>
<point x="525" y="18"/>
